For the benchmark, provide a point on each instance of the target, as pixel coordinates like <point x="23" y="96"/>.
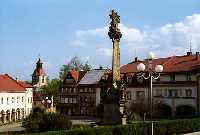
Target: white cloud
<point x="104" y="51"/>
<point x="164" y="41"/>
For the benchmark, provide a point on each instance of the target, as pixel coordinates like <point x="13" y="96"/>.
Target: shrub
<point x="39" y="121"/>
<point x="167" y="127"/>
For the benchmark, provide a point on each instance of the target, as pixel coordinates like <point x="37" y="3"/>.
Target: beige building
<point x="177" y="89"/>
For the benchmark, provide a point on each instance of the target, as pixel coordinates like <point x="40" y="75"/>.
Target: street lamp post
<point x="152" y="74"/>
<point x="48" y="103"/>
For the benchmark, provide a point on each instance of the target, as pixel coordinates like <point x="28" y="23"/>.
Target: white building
<point x="15" y="99"/>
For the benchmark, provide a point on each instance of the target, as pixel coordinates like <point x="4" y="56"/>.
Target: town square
<point x="100" y="67"/>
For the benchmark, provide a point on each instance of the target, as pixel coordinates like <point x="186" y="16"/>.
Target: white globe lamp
<point x="141" y="67"/>
<point x="159" y="68"/>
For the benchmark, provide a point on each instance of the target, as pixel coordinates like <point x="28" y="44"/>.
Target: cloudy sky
<point x="57" y="30"/>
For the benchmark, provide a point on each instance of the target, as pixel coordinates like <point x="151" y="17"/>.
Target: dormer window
<point x="172" y="78"/>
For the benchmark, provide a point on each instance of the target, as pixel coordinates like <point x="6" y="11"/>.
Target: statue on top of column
<point x="114" y="32"/>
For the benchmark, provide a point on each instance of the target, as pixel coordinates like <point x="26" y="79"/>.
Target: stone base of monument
<point x="111" y="114"/>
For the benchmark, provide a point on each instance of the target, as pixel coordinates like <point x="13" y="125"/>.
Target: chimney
<point x="136" y="59"/>
<point x="17" y="79"/>
<point x="189" y="53"/>
<point x="197" y="56"/>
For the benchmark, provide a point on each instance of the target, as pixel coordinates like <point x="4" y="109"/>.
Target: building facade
<point x="177" y="89"/>
<point x="80" y="93"/>
<point x="15" y="99"/>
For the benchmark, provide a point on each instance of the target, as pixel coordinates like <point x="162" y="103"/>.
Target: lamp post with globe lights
<point x="151" y="74"/>
<point x="48" y="103"/>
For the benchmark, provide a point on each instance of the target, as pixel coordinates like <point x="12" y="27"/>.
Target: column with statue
<point x="113" y="91"/>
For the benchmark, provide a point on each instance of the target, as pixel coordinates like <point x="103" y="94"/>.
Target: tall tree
<point x="74" y="64"/>
<point x="52" y="89"/>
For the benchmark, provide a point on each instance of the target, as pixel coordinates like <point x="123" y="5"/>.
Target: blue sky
<point x="61" y="29"/>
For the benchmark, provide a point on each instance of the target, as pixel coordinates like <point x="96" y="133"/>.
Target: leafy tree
<point x="74" y="64"/>
<point x="52" y="89"/>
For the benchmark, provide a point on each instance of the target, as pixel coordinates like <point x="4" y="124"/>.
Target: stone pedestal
<point x="111" y="114"/>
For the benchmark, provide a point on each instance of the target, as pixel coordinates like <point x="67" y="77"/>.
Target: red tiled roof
<point x="8" y="84"/>
<point x="170" y="64"/>
<point x="74" y="74"/>
<point x="25" y="84"/>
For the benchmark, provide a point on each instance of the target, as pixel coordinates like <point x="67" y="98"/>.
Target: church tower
<point x="39" y="78"/>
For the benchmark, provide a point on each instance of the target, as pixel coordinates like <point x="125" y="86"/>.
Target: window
<point x="165" y="92"/>
<point x="85" y="89"/>
<point x="31" y="99"/>
<point x="139" y="79"/>
<point x="74" y="100"/>
<point x="62" y="100"/>
<point x="13" y="100"/>
<point x="188" y="93"/>
<point x="128" y="95"/>
<point x="172" y="78"/>
<point x="8" y="100"/>
<point x="66" y="100"/>
<point x="173" y="92"/>
<point x="70" y="100"/>
<point x="42" y="79"/>
<point x="17" y="99"/>
<point x="62" y="90"/>
<point x="139" y="95"/>
<point x="158" y="92"/>
<point x="1" y="100"/>
<point x="129" y="79"/>
<point x="22" y="99"/>
<point x="70" y="89"/>
<point x="80" y="90"/>
<point x="89" y="89"/>
<point x="188" y="77"/>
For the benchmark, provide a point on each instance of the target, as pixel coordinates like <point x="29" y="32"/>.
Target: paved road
<point x="11" y="127"/>
<point x="195" y="133"/>
<point x="81" y="120"/>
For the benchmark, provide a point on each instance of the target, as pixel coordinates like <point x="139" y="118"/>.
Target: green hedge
<point x="168" y="127"/>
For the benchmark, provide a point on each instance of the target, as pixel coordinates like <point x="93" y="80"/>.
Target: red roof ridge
<point x="15" y="80"/>
<point x="8" y="83"/>
<point x="74" y="74"/>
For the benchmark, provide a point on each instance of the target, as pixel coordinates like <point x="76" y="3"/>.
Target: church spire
<point x="39" y="64"/>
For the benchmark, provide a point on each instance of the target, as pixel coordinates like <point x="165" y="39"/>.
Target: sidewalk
<point x="195" y="133"/>
<point x="11" y="127"/>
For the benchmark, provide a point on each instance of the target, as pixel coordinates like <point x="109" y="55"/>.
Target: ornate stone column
<point x="114" y="105"/>
<point x="115" y="35"/>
